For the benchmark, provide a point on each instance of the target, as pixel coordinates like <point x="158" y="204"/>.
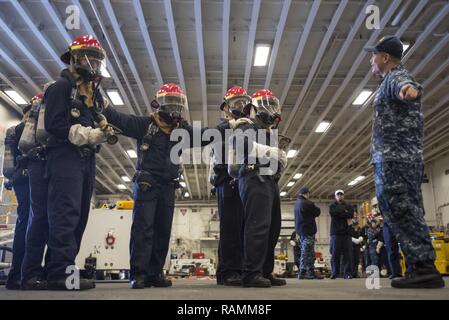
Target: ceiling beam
<point x="178" y="62"/>
<point x="24" y="49"/>
<point x="43" y="41"/>
<point x="148" y="43"/>
<point x="202" y="64"/>
<point x="348" y="123"/>
<point x="17" y="89"/>
<point x="10" y="62"/>
<point x="125" y="50"/>
<point x="225" y="42"/>
<point x="132" y="108"/>
<point x="299" y="50"/>
<point x="342" y="53"/>
<point x="277" y="41"/>
<point x="316" y="63"/>
<point x="343" y="85"/>
<point x="251" y="38"/>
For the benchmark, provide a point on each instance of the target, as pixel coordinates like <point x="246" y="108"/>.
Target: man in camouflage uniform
<point x="397" y="157"/>
<point x="305" y="225"/>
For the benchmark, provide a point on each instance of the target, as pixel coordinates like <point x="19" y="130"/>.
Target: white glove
<point x="355" y="241"/>
<point x="80" y="136"/>
<point x="360" y="239"/>
<point x="106" y="102"/>
<point x="292" y="242"/>
<point x="379" y="246"/>
<point x="282" y="159"/>
<point x="234" y="123"/>
<point x="264" y="151"/>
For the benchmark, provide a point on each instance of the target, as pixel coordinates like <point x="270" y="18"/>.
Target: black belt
<point x="86" y="152"/>
<point x="37" y="153"/>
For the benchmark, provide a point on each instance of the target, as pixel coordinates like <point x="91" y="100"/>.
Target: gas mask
<point x="268" y="110"/>
<point x="87" y="66"/>
<point x="238" y="106"/>
<point x="170" y="107"/>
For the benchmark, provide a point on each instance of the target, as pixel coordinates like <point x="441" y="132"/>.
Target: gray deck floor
<point x="196" y="289"/>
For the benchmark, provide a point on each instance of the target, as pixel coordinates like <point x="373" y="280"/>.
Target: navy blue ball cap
<point x="388" y="44"/>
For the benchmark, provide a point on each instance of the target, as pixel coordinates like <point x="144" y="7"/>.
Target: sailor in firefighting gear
<point x="258" y="189"/>
<point x="236" y="105"/>
<point x="33" y="274"/>
<point x="17" y="176"/>
<point x="72" y="110"/>
<point x="155" y="181"/>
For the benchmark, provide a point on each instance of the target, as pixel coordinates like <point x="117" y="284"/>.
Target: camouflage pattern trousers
<point x="307" y="260"/>
<point x="398" y="191"/>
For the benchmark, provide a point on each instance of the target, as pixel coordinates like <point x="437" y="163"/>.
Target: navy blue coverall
<point x="154" y="207"/>
<point x="37" y="232"/>
<point x="71" y="176"/>
<point x="262" y="213"/>
<point x="22" y="192"/>
<point x="230" y="210"/>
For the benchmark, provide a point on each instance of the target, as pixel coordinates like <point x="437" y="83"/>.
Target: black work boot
<point x="234" y="280"/>
<point x="12" y="285"/>
<point x="137" y="282"/>
<point x="60" y="285"/>
<point x="256" y="281"/>
<point x="306" y="276"/>
<point x="34" y="284"/>
<point x="423" y="275"/>
<point x="276" y="282"/>
<point x="219" y="280"/>
<point x="158" y="282"/>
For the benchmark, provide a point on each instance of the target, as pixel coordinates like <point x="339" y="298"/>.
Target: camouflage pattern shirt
<point x="397" y="133"/>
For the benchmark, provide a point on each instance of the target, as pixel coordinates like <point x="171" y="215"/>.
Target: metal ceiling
<point x="317" y="68"/>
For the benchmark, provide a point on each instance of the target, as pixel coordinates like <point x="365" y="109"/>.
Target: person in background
<point x="305" y="214"/>
<point x="373" y="244"/>
<point x="357" y="240"/>
<point x="294" y="241"/>
<point x="340" y="242"/>
<point x="19" y="181"/>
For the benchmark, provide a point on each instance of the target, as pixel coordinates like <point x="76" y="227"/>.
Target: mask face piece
<point x="87" y="66"/>
<point x="238" y="104"/>
<point x="170" y="106"/>
<point x="268" y="109"/>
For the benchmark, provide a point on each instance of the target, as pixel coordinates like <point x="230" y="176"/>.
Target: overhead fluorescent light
<point x="104" y="71"/>
<point x="405" y="47"/>
<point x="283" y="194"/>
<point x="183" y="184"/>
<point x="361" y="99"/>
<point x="17" y="98"/>
<point x="323" y="126"/>
<point x="261" y="55"/>
<point x="297" y="176"/>
<point x="290" y="184"/>
<point x="121" y="186"/>
<point x="115" y="97"/>
<point x="131" y="153"/>
<point x="186" y="195"/>
<point x="291" y="153"/>
<point x="356" y="180"/>
<point x="126" y="178"/>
